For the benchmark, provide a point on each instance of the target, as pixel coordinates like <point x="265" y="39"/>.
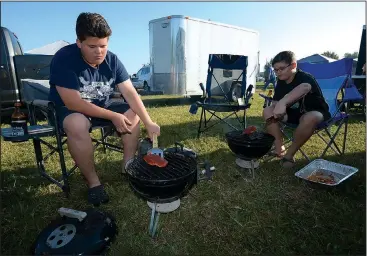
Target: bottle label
<point x="19" y="127"/>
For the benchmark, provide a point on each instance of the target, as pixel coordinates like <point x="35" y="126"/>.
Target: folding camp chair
<point x="35" y="94"/>
<point x="333" y="78"/>
<point x="226" y="84"/>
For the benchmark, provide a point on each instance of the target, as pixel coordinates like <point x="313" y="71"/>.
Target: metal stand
<point x="170" y="206"/>
<point x="248" y="164"/>
<point x="158" y="208"/>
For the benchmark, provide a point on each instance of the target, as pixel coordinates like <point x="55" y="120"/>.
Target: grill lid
<point x="256" y="138"/>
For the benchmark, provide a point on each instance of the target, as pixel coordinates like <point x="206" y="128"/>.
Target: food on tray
<point x="249" y="130"/>
<point x="320" y="177"/>
<point x="155" y="160"/>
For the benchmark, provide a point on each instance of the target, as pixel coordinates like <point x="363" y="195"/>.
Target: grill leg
<point x="153" y="221"/>
<point x="253" y="169"/>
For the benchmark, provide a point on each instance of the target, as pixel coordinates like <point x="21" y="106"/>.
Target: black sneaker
<point x="97" y="195"/>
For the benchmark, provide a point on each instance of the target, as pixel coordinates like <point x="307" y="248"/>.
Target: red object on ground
<point x="155" y="160"/>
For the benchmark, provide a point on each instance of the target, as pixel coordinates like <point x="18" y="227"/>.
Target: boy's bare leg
<point x="76" y="127"/>
<point x="274" y="129"/>
<point x="130" y="141"/>
<point x="304" y="131"/>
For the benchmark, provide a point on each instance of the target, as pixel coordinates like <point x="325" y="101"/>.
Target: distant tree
<point x="353" y="55"/>
<point x="330" y="54"/>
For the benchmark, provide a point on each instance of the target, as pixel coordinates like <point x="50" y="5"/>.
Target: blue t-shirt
<point x="68" y="69"/>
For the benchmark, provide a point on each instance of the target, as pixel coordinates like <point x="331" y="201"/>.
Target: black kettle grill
<point x="249" y="147"/>
<point x="166" y="185"/>
<point x="76" y="233"/>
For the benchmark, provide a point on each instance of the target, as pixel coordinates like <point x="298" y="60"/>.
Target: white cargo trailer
<point x="180" y="48"/>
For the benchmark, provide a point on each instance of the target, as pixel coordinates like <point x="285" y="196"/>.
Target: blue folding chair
<point x="333" y="78"/>
<point x="226" y="83"/>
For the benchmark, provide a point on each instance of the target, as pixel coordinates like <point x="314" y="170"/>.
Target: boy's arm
<point x="297" y="93"/>
<point x="130" y="94"/>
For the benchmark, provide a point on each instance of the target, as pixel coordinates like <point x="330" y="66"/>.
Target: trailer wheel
<point x="146" y="87"/>
<point x="235" y="92"/>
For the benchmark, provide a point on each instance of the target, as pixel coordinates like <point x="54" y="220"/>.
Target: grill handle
<point x="155" y="140"/>
<point x="180" y="145"/>
<point x="207" y="172"/>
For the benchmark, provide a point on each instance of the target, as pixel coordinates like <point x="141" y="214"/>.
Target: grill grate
<point x="179" y="166"/>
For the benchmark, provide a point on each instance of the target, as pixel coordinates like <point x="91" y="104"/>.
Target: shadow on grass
<point x="285" y="208"/>
<point x="189" y="130"/>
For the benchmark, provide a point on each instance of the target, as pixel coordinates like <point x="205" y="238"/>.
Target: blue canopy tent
<point x="316" y="58"/>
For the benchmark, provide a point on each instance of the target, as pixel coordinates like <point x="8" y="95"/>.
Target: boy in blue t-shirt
<point x="83" y="77"/>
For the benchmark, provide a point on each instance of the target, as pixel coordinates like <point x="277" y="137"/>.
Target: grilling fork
<point x="155" y="150"/>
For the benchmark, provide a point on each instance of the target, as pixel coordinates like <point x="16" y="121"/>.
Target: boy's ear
<point x="79" y="44"/>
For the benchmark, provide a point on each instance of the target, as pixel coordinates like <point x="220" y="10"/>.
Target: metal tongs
<point x="271" y="120"/>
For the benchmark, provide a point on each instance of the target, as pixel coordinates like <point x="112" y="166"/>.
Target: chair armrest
<point x="351" y="93"/>
<point x="47" y="108"/>
<point x="266" y="97"/>
<point x="42" y="103"/>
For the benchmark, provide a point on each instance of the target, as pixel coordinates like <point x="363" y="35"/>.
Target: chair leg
<point x="332" y="141"/>
<point x="337" y="151"/>
<point x="104" y="140"/>
<point x="244" y="120"/>
<point x="200" y="123"/>
<point x="345" y="135"/>
<point x="40" y="164"/>
<point x="65" y="175"/>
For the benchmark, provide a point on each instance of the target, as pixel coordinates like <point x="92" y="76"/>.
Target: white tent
<point x="49" y="49"/>
<point x="316" y="58"/>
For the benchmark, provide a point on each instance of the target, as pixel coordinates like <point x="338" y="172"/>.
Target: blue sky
<point x="303" y="27"/>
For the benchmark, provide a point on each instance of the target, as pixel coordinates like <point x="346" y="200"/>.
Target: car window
<point x="147" y="70"/>
<point x="16" y="45"/>
<point x="3" y="52"/>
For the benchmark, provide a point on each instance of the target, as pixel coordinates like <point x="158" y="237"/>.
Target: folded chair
<point x="225" y="92"/>
<point x="333" y="78"/>
<point x="35" y="95"/>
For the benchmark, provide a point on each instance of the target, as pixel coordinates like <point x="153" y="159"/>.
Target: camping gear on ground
<point x="325" y="172"/>
<point x="87" y="232"/>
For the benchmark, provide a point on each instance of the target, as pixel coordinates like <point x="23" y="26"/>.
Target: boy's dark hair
<point x="286" y="56"/>
<point x="91" y="24"/>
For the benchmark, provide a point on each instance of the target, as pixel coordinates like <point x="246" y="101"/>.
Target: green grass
<point x="276" y="214"/>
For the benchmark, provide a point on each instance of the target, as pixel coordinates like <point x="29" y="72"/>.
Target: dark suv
<point x="15" y="66"/>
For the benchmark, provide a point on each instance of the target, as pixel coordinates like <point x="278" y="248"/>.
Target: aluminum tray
<point x="339" y="171"/>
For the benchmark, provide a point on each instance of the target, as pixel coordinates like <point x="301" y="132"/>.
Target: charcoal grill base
<point x="248" y="164"/>
<point x="164" y="207"/>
